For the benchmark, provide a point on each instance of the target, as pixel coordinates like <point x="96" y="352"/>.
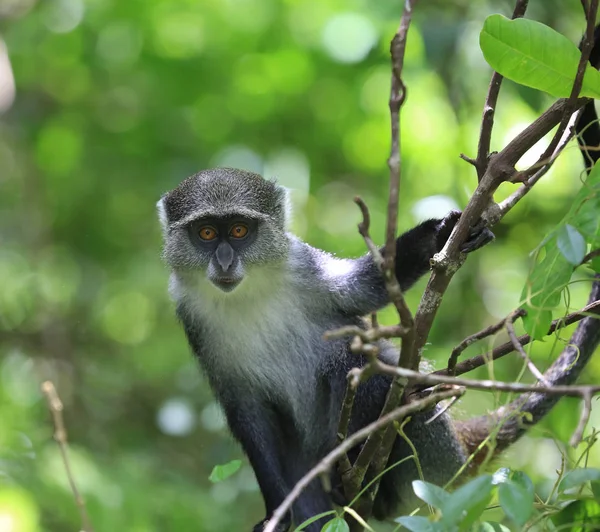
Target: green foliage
<point x="579" y="516"/>
<point x="336" y="525"/>
<point x="221" y="472"/>
<point x="532" y="54"/>
<point x="564" y="248"/>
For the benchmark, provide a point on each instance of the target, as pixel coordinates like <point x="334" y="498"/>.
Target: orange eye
<point x="207" y="233"/>
<point x="238" y="231"/>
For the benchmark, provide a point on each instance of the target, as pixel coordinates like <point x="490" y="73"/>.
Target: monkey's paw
<point x="283" y="526"/>
<point x="479" y="235"/>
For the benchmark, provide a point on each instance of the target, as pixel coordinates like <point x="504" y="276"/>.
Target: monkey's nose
<point x="225" y="255"/>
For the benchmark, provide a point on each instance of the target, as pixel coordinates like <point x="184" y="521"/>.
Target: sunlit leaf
<point x="571" y="244"/>
<point x="430" y="493"/>
<point x="516" y="501"/>
<point x="577" y="477"/>
<point x="465" y="498"/>
<point x="547" y="279"/>
<point x="313" y="519"/>
<point x="533" y="54"/>
<point x="223" y="471"/>
<point x="336" y="525"/>
<point x="416" y="523"/>
<point x="581" y="515"/>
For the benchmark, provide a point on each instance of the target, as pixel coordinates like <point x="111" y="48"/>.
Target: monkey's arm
<point x="361" y="288"/>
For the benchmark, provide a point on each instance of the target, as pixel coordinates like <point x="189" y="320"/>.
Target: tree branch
<point x="60" y="435"/>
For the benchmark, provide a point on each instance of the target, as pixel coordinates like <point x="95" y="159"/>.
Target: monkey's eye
<point x="238" y="231"/>
<point x="207" y="233"/>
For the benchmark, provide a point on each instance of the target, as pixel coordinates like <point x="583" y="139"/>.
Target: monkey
<point x="254" y="302"/>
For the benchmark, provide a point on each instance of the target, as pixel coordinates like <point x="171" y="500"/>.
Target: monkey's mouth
<point x="227" y="284"/>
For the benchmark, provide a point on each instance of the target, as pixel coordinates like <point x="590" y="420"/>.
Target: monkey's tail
<point x="507" y="424"/>
<point x="509" y="421"/>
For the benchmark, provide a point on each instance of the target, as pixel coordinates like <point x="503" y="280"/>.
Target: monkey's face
<point x="223" y="245"/>
<point x="220" y="225"/>
<point x="224" y="249"/>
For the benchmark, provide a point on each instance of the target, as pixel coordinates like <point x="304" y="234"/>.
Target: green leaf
<point x="576" y="477"/>
<point x="473" y="514"/>
<point x="491" y="526"/>
<point x="430" y="493"/>
<point x="571" y="244"/>
<point x="582" y="515"/>
<point x="516" y="501"/>
<point x="520" y="478"/>
<point x="548" y="277"/>
<point x="336" y="525"/>
<point x="417" y="523"/>
<point x="469" y="496"/>
<point x="532" y="54"/>
<point x="313" y="519"/>
<point x="221" y="472"/>
<point x="596" y="489"/>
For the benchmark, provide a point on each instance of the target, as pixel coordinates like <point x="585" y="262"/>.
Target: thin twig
<point x="432" y="379"/>
<point x="591" y="255"/>
<point x="327" y="463"/>
<point x="583" y="419"/>
<point x="510" y="328"/>
<point x="508" y="347"/>
<point x="373" y="446"/>
<point x="508" y="203"/>
<point x="484" y="333"/>
<point x="60" y="435"/>
<point x="489" y="109"/>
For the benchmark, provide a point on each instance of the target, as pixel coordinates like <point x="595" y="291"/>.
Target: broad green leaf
<point x="469" y="496"/>
<point x="548" y="277"/>
<point x="416" y="523"/>
<point x="583" y="514"/>
<point x="473" y="514"/>
<point x="430" y="493"/>
<point x="223" y="471"/>
<point x="336" y="525"/>
<point x="516" y="501"/>
<point x="313" y="519"/>
<point x="577" y="477"/>
<point x="571" y="244"/>
<point x="520" y="478"/>
<point x="490" y="526"/>
<point x="596" y="489"/>
<point x="532" y="54"/>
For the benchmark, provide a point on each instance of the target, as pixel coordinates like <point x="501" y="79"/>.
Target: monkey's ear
<point x="162" y="214"/>
<point x="285" y="206"/>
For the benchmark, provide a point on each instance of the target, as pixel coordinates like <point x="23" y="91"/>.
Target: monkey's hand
<point x="283" y="526"/>
<point x="479" y="235"/>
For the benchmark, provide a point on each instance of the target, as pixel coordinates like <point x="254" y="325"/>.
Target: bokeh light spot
<point x="128" y="317"/>
<point x="176" y="417"/>
<point x="349" y="37"/>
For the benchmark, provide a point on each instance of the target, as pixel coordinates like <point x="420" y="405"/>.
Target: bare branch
<point x="60" y="435"/>
<point x="583" y="419"/>
<point x="327" y="463"/>
<point x="488" y="385"/>
<point x="489" y="109"/>
<point x="488" y="331"/>
<point x="591" y="255"/>
<point x="508" y="347"/>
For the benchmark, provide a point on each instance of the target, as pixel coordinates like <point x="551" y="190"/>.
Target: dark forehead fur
<point x="224" y="190"/>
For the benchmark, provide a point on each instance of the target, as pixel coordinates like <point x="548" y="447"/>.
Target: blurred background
<point x="106" y="104"/>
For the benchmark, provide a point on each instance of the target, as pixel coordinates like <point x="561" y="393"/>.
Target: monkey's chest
<point x="275" y="358"/>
